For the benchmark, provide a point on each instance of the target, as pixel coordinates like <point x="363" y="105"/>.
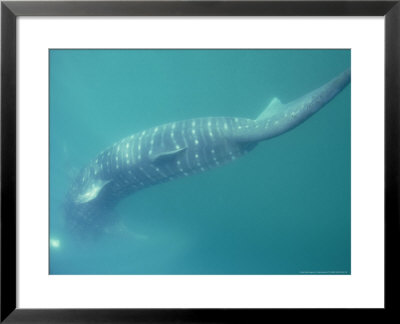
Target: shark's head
<point x="86" y="210"/>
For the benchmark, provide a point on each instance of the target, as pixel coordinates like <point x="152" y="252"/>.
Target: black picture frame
<point x="10" y="10"/>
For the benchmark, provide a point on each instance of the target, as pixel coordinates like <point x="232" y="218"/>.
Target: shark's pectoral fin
<point x="92" y="190"/>
<point x="165" y="156"/>
<point x="274" y="107"/>
<point x="120" y="230"/>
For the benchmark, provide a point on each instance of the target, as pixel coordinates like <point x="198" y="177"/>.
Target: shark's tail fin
<point x="279" y="118"/>
<point x="314" y="100"/>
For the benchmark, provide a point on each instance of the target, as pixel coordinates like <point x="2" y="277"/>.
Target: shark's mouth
<point x="88" y="218"/>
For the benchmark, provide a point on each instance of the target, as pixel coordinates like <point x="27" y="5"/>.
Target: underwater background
<point x="284" y="208"/>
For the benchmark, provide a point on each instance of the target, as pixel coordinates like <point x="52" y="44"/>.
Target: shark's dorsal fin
<point x="92" y="190"/>
<point x="274" y="107"/>
<point x="167" y="155"/>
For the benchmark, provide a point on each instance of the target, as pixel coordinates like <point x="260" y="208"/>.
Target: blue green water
<point x="282" y="209"/>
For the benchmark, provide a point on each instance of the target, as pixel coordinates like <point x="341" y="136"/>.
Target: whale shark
<point x="179" y="149"/>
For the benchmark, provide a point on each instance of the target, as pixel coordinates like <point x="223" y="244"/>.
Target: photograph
<point x="199" y="161"/>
